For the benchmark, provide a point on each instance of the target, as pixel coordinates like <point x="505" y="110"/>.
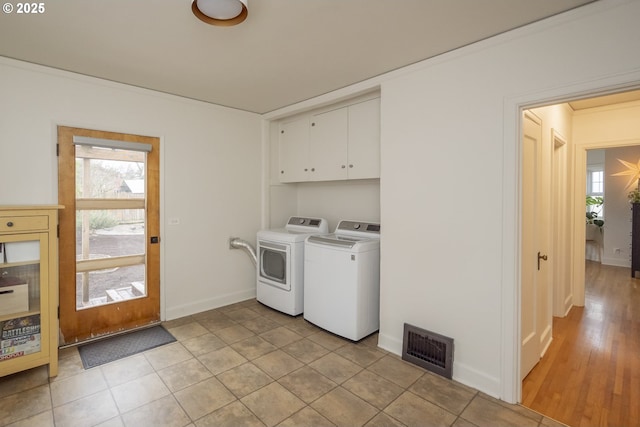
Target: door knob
<point x="541" y="257"/>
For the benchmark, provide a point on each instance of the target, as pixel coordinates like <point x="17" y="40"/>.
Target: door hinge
<point x="57" y="150"/>
<point x="58" y="230"/>
<point x="58" y="312"/>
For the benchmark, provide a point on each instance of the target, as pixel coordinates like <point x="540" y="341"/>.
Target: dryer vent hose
<point x="238" y="243"/>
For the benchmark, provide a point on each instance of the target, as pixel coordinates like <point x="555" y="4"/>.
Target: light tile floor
<point x="248" y="365"/>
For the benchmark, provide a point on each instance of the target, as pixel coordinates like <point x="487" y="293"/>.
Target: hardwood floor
<point x="590" y="375"/>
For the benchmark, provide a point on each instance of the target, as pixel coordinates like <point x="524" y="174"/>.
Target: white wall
<point x="595" y="157"/>
<point x="356" y="200"/>
<point x="450" y="173"/>
<point x="334" y="201"/>
<point x="210" y="171"/>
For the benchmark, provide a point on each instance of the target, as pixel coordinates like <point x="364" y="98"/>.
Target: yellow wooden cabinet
<point x="28" y="288"/>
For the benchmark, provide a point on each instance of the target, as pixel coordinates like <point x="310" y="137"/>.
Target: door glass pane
<point x="110" y="285"/>
<point x="110" y="226"/>
<point x="114" y="174"/>
<point x="109" y="233"/>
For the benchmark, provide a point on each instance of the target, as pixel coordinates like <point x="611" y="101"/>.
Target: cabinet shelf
<point x="34" y="308"/>
<point x="18" y="264"/>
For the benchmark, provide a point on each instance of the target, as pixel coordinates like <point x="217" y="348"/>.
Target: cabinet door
<point x="293" y="150"/>
<point x="24" y="302"/>
<point x="364" y="140"/>
<point x="328" y="145"/>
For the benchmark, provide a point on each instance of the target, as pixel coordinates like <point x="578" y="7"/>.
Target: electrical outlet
<point x="174" y="221"/>
<point x="616" y="251"/>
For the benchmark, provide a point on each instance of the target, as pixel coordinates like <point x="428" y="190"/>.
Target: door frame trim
<point x="510" y="384"/>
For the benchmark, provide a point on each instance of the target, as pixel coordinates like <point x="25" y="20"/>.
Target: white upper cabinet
<point x="328" y="145"/>
<point x="338" y="144"/>
<point x="293" y="150"/>
<point x="364" y="140"/>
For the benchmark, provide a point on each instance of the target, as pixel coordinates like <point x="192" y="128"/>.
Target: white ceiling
<point x="285" y="52"/>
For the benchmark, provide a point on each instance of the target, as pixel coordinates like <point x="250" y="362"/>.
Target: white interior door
<point x="535" y="318"/>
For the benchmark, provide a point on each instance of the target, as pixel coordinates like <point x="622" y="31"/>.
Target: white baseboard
<point x="479" y="380"/>
<point x="617" y="262"/>
<point x="568" y="303"/>
<point x="461" y="372"/>
<point x="209" y="304"/>
<point x="390" y="343"/>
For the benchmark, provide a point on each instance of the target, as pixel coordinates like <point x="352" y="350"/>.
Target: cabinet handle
<point x="313" y="124"/>
<point x="313" y="169"/>
<point x="350" y="166"/>
<point x="6" y="292"/>
<point x="10" y="224"/>
<point x="343" y="166"/>
<point x="305" y="169"/>
<point x="281" y="171"/>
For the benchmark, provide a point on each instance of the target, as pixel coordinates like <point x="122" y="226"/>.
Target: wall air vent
<point x="428" y="350"/>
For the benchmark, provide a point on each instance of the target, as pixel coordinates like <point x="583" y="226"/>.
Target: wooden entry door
<point x="109" y="232"/>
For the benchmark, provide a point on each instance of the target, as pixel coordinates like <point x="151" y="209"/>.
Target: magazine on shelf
<point x="19" y="336"/>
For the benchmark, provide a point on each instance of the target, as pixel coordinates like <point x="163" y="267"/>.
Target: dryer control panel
<point x="307" y="225"/>
<point x="309" y="222"/>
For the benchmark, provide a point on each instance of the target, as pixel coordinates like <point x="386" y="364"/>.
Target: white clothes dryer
<point x="342" y="280"/>
<point x="280" y="266"/>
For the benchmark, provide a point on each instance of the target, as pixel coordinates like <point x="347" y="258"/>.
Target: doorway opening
<point x="574" y="399"/>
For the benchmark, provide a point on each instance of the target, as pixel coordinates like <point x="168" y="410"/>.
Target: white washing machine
<point x="342" y="280"/>
<point x="280" y="263"/>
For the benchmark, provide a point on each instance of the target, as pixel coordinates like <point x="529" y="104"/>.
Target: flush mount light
<point x="220" y="12"/>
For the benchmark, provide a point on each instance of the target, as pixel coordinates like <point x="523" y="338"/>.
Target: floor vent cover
<point x="429" y="350"/>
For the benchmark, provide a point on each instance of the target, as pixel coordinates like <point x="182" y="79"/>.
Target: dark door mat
<point x="120" y="346"/>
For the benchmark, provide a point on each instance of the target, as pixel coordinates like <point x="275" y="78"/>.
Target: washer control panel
<point x="359" y="226"/>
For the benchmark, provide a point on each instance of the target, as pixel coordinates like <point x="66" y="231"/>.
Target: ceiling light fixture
<point x="220" y="12"/>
